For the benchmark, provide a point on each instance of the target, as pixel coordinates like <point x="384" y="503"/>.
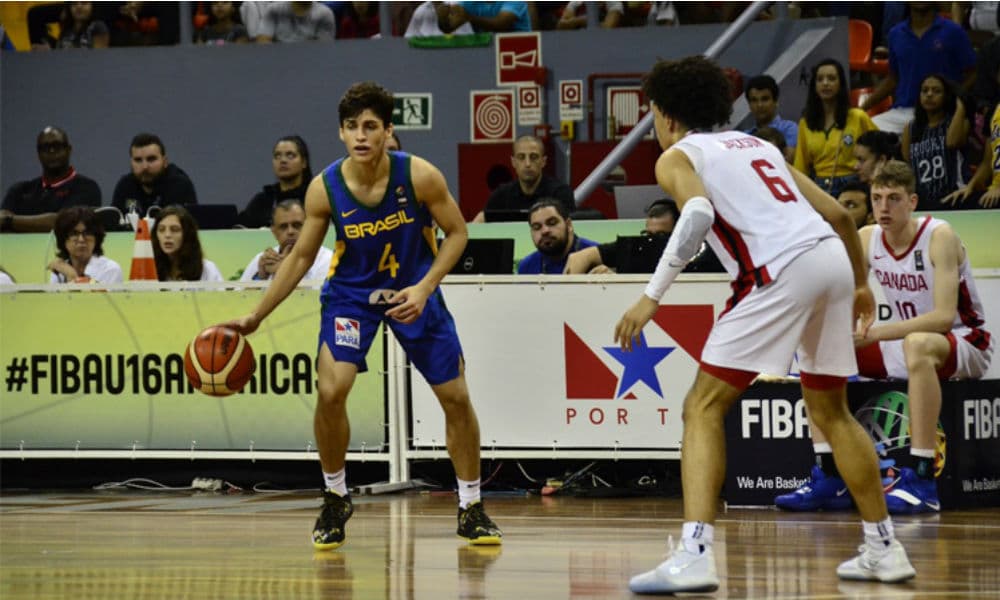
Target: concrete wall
<point x="219" y="110"/>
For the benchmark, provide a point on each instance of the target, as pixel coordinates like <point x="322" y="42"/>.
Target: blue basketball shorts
<point x="348" y="328"/>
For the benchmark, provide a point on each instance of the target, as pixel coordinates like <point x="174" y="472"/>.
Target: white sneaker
<point x="888" y="565"/>
<point x="683" y="571"/>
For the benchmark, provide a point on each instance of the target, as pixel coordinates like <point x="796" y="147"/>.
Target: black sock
<point x="825" y="462"/>
<point x="923" y="466"/>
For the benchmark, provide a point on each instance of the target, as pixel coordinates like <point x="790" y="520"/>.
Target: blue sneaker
<point x="819" y="493"/>
<point x="909" y="494"/>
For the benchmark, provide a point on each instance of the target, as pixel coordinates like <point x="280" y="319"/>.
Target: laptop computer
<point x="486" y="256"/>
<point x="640" y="253"/>
<point x="506" y="215"/>
<point x="213" y="216"/>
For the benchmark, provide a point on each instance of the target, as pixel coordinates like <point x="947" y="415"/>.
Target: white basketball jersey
<point x="907" y="280"/>
<point x="762" y="220"/>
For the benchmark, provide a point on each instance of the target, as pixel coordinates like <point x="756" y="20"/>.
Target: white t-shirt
<point x="5" y="278"/>
<point x="318" y="270"/>
<point x="424" y="23"/>
<point x="210" y="272"/>
<point x="100" y="269"/>
<point x="762" y="220"/>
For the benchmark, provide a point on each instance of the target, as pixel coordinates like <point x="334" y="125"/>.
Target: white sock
<point x="336" y="482"/>
<point x="697" y="536"/>
<point x="922" y="452"/>
<point x="468" y="492"/>
<point x="823" y="448"/>
<point x="879" y="535"/>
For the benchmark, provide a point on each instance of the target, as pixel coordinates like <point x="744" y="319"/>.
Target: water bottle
<point x="133" y="215"/>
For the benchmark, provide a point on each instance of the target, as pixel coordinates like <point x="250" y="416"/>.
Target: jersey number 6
<point x="779" y="189"/>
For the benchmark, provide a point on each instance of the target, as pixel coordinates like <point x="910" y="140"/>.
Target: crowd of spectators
<point x="943" y="66"/>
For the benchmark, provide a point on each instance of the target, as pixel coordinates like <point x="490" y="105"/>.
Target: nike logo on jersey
<point x="841" y="492"/>
<point x="348" y="213"/>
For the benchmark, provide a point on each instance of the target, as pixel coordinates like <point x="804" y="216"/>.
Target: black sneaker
<point x="476" y="527"/>
<point x="328" y="533"/>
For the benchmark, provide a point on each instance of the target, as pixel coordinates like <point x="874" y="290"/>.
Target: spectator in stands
<point x="554" y="238"/>
<point x="360" y="20"/>
<point x="872" y="150"/>
<point x="79" y="244"/>
<point x="79" y="27"/>
<point x="177" y="249"/>
<point x="289" y="22"/>
<point x="988" y="174"/>
<point x="223" y="27"/>
<point x="290" y="161"/>
<point x="145" y="24"/>
<point x="772" y="135"/>
<point x="762" y="96"/>
<point x="531" y="185"/>
<point x="828" y="129"/>
<point x="286" y="225"/>
<point x="425" y="21"/>
<point x="484" y="16"/>
<point x="661" y="216"/>
<point x="619" y="14"/>
<point x="934" y="141"/>
<point x="154" y="180"/>
<point x="252" y="14"/>
<point x="854" y="196"/>
<point x="392" y="142"/>
<point x="925" y="43"/>
<point x="32" y="205"/>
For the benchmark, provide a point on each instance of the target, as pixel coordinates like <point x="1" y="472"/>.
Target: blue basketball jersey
<point x="379" y="249"/>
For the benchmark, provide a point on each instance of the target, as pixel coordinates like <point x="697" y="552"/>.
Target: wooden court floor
<point x="133" y="545"/>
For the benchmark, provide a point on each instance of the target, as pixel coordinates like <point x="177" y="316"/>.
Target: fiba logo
<point x="886" y="418"/>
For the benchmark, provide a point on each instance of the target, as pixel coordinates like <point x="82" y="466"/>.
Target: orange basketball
<point x="219" y="361"/>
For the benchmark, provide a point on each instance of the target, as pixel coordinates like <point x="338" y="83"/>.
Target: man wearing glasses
<point x="31" y="206"/>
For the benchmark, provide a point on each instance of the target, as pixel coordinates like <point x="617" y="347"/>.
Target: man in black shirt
<point x="531" y="184"/>
<point x="32" y="205"/>
<point x="154" y="181"/>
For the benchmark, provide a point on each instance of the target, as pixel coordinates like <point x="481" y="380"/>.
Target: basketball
<point x="219" y="361"/>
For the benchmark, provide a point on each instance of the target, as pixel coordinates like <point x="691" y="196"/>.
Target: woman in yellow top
<point x="828" y="129"/>
<point x="987" y="173"/>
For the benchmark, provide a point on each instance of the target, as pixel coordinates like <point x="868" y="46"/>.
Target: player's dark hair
<point x="770" y="134"/>
<point x="366" y="95"/>
<point x="762" y="82"/>
<point x="895" y="173"/>
<point x="189" y="255"/>
<point x="693" y="90"/>
<point x="813" y="112"/>
<point x="66" y="222"/>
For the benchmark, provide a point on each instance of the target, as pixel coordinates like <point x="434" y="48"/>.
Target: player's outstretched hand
<point x="411" y="302"/>
<point x="991" y="198"/>
<point x="630" y="325"/>
<point x="245" y="325"/>
<point x="957" y="197"/>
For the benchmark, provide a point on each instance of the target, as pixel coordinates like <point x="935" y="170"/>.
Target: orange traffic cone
<point x="143" y="265"/>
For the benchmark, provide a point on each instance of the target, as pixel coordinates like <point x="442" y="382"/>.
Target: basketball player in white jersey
<point x="938" y="333"/>
<point x="796" y="281"/>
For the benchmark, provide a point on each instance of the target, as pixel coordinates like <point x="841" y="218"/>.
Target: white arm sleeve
<point x="685" y="241"/>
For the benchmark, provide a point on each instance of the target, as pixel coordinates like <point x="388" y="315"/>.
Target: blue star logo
<point x="640" y="365"/>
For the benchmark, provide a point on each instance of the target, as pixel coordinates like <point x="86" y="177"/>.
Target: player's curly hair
<point x="366" y="95"/>
<point x="692" y="90"/>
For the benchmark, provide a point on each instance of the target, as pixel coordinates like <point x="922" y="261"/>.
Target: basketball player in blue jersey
<point x="386" y="269"/>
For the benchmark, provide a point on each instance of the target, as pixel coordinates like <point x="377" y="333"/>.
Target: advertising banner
<point x="105" y="370"/>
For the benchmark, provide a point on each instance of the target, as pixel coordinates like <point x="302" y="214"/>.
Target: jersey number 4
<point x="767" y="173"/>
<point x="388" y="261"/>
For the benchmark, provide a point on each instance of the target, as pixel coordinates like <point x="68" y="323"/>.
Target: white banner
<point x="543" y="371"/>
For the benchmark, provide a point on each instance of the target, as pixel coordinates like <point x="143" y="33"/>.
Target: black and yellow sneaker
<point x="476" y="527"/>
<point x="328" y="533"/>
